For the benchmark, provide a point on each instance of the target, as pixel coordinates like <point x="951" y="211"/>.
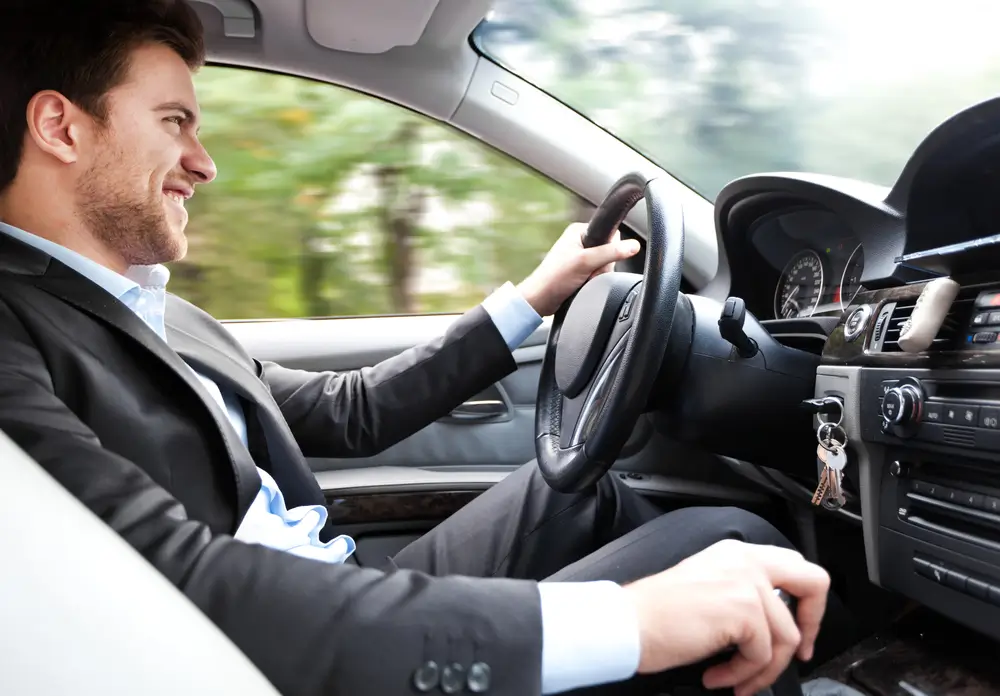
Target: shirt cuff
<point x="511" y="314"/>
<point x="590" y="635"/>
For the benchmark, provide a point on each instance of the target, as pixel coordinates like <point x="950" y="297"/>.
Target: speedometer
<point x="800" y="287"/>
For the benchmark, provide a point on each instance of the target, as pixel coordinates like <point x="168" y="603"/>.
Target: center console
<point x="924" y="431"/>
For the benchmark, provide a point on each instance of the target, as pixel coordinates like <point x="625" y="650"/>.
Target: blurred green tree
<point x="330" y="202"/>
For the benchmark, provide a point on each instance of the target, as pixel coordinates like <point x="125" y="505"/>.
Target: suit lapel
<point x="90" y="298"/>
<point x="284" y="461"/>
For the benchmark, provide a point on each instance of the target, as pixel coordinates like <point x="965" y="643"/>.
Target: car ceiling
<point x="417" y="53"/>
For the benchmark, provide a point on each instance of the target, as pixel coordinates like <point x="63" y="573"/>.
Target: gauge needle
<point x="789" y="299"/>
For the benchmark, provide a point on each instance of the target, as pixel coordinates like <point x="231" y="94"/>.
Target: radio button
<point x="991" y="504"/>
<point x="985" y="337"/>
<point x="955" y="580"/>
<point x="977" y="588"/>
<point x="981" y="319"/>
<point x="989" y="418"/>
<point x="973" y="500"/>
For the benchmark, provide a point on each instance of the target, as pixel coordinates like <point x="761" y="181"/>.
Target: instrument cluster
<point x="818" y="261"/>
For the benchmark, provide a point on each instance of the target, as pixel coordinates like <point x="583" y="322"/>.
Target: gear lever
<point x="788" y="683"/>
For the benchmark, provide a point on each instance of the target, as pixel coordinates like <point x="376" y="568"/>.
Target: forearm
<point x="362" y="412"/>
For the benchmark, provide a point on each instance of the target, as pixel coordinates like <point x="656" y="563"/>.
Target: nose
<point x="199" y="164"/>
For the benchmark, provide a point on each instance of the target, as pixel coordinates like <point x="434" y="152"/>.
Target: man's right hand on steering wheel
<point x="724" y="598"/>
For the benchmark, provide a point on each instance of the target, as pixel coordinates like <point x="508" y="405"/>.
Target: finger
<point x="606" y="254"/>
<point x="806" y="581"/>
<point x="785" y="638"/>
<point x="754" y="646"/>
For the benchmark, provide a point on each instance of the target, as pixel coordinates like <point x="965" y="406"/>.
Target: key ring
<point x="840" y="410"/>
<point x="831" y="427"/>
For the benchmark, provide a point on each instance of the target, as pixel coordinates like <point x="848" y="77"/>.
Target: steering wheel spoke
<point x="606" y="348"/>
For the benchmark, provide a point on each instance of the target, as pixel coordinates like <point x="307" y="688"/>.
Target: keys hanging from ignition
<point x="826" y="406"/>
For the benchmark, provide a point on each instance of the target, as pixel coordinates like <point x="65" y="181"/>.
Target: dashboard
<point x="846" y="263"/>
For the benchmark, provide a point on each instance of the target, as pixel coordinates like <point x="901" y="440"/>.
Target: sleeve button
<point x="452" y="678"/>
<point x="479" y="677"/>
<point x="425" y="677"/>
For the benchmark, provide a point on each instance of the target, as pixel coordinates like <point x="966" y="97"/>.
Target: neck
<point x="43" y="219"/>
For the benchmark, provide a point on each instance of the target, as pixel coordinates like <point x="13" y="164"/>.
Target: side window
<point x="333" y="203"/>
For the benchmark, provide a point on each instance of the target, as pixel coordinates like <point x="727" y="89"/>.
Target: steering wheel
<point x="607" y="343"/>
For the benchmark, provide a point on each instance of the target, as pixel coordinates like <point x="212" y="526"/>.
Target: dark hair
<point x="81" y="49"/>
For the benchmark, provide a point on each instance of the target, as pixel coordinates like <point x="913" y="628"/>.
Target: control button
<point x="943" y="493"/>
<point x="919" y="487"/>
<point x="991" y="504"/>
<point x="994" y="318"/>
<point x="897" y="469"/>
<point x="923" y="567"/>
<point x="989" y="418"/>
<point x="857" y="322"/>
<point x="627" y="306"/>
<point x="985" y="337"/>
<point x="973" y="500"/>
<point x="955" y="580"/>
<point x="977" y="588"/>
<point x="961" y="415"/>
<point x="902" y="405"/>
<point x="888" y="384"/>
<point x="937" y="573"/>
<point x="934" y="413"/>
<point x="988" y="299"/>
<point x="981" y="319"/>
<point x="933" y="490"/>
<point x="994" y="595"/>
<point x="891" y="405"/>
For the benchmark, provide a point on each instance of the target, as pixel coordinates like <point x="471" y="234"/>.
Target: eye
<point x="176" y="120"/>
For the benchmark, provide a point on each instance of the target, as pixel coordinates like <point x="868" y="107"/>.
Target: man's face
<point x="145" y="161"/>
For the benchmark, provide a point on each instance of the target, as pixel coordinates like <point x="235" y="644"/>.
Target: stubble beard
<point x="128" y="223"/>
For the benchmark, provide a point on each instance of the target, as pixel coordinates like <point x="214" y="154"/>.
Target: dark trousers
<point x="521" y="528"/>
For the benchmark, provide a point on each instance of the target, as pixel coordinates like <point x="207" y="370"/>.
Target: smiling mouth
<point x="176" y="196"/>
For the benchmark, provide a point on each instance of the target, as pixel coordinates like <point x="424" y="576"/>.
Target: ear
<point x="55" y="125"/>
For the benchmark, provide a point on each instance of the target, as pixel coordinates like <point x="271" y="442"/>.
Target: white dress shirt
<point x="590" y="631"/>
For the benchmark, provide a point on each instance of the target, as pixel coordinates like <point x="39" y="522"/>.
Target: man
<point x="150" y="413"/>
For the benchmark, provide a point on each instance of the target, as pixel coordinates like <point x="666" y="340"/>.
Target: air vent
<point x="952" y="330"/>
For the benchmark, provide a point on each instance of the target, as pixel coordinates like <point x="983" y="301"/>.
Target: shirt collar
<point x="118" y="285"/>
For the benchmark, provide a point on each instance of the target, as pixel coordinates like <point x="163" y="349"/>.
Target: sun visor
<point x="238" y="19"/>
<point x="367" y="26"/>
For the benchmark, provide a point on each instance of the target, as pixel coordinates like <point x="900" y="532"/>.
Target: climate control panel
<point x="946" y="409"/>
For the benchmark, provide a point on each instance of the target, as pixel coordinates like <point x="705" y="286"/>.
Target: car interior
<point x="813" y="348"/>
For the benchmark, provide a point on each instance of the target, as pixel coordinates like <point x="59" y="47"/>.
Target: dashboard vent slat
<point x="950" y="334"/>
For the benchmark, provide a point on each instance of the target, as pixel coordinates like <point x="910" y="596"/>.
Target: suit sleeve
<point x="362" y="412"/>
<point x="311" y="627"/>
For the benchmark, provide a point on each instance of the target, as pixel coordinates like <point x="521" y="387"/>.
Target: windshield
<point x="716" y="89"/>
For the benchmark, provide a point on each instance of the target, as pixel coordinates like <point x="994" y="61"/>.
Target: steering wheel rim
<point x="575" y="468"/>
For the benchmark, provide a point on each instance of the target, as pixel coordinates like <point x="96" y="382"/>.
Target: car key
<point x="836" y="460"/>
<point x="824" y="479"/>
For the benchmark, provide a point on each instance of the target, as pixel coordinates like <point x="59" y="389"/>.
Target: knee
<point x="736" y="523"/>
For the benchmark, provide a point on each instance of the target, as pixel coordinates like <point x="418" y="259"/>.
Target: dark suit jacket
<point x="115" y="415"/>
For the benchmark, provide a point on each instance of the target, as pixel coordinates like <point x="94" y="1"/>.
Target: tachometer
<point x="850" y="283"/>
<point x="800" y="287"/>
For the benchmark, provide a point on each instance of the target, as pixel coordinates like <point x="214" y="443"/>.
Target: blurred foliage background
<point x="330" y="202"/>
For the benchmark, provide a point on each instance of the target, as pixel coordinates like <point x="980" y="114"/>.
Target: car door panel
<point x="494" y="428"/>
